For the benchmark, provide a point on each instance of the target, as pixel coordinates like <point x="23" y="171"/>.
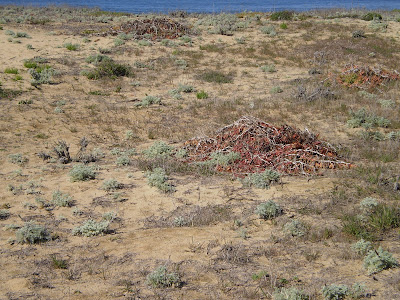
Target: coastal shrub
<point x="261" y="180"/>
<point x="295" y="228"/>
<point x="17" y="159"/>
<point x="215" y="76"/>
<point x="61" y="199"/>
<point x="111" y="185"/>
<point x="282" y="15"/>
<point x="378" y="260"/>
<point x="158" y="178"/>
<point x="41" y="75"/>
<point x="82" y="172"/>
<point x="32" y="233"/>
<point x="148" y="100"/>
<point x="289" y="294"/>
<point x="363" y="118"/>
<point x="108" y="68"/>
<point x="160" y="277"/>
<point x="268" y="210"/>
<point x="91" y="228"/>
<point x="157" y="150"/>
<point x="336" y="292"/>
<point x="362" y="247"/>
<point x="269" y="30"/>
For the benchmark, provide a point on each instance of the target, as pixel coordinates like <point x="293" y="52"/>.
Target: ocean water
<point x="211" y="6"/>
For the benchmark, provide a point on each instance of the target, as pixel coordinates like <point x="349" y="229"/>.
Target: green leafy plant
<point x="32" y="233"/>
<point x="268" y="210"/>
<point x="160" y="277"/>
<point x="82" y="172"/>
<point x="11" y="71"/>
<point x="71" y="47"/>
<point x="283" y="26"/>
<point x="378" y="260"/>
<point x="91" y="228"/>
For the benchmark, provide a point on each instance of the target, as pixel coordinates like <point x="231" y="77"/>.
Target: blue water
<point x="143" y="6"/>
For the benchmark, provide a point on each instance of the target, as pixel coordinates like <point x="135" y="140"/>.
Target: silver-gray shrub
<point x="336" y="292"/>
<point x="368" y="204"/>
<point x="261" y="180"/>
<point x="158" y="178"/>
<point x="32" y="233"/>
<point x="295" y="228"/>
<point x="268" y="210"/>
<point x="148" y="100"/>
<point x="82" y="172"/>
<point x="160" y="277"/>
<point x="289" y="294"/>
<point x="61" y="199"/>
<point x="17" y="159"/>
<point x="378" y="260"/>
<point x="157" y="150"/>
<point x="91" y="228"/>
<point x="43" y="77"/>
<point x="111" y="185"/>
<point x="362" y="247"/>
<point x="4" y="214"/>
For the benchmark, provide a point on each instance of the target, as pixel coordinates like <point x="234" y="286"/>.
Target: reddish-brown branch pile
<point x="365" y="77"/>
<point x="263" y="146"/>
<point x="157" y="28"/>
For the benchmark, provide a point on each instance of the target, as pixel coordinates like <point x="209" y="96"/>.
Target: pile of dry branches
<point x="262" y="146"/>
<point x="365" y="77"/>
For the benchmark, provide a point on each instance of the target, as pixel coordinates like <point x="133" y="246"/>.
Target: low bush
<point x="96" y="59"/>
<point x="362" y="118"/>
<point x="157" y="150"/>
<point x="362" y="247"/>
<point x="108" y="68"/>
<point x="261" y="180"/>
<point x="372" y="16"/>
<point x="282" y="15"/>
<point x="269" y="30"/>
<point x="32" y="233"/>
<point x="148" y="100"/>
<point x="215" y="76"/>
<point x="160" y="277"/>
<point x="201" y="95"/>
<point x="82" y="172"/>
<point x="378" y="260"/>
<point x="4" y="214"/>
<point x="295" y="228"/>
<point x="289" y="294"/>
<point x="111" y="185"/>
<point x="17" y="159"/>
<point x="268" y="210"/>
<point x="158" y="178"/>
<point x="71" y="47"/>
<point x="91" y="228"/>
<point x="61" y="199"/>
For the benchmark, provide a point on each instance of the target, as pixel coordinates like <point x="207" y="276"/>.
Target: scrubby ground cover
<point x="100" y="197"/>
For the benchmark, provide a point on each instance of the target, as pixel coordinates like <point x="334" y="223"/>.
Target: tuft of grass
<point x="215" y="76"/>
<point x="82" y="172"/>
<point x="201" y="95"/>
<point x="59" y="263"/>
<point x="11" y="71"/>
<point x="32" y="233"/>
<point x="161" y="278"/>
<point x="268" y="210"/>
<point x="71" y="47"/>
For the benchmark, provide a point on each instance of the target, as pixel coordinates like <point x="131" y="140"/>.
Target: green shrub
<point x="91" y="228"/>
<point x="123" y="160"/>
<point x="82" y="172"/>
<point x="32" y="233"/>
<point x="372" y="16"/>
<point x="158" y="178"/>
<point x="108" y="68"/>
<point x="336" y="292"/>
<point x="215" y="76"/>
<point x="61" y="199"/>
<point x="18" y="159"/>
<point x="282" y="15"/>
<point x="261" y="180"/>
<point x="269" y="29"/>
<point x="96" y="59"/>
<point x="289" y="294"/>
<point x="71" y="47"/>
<point x="362" y="247"/>
<point x="268" y="210"/>
<point x="160" y="277"/>
<point x="283" y="26"/>
<point x="268" y="68"/>
<point x="378" y="260"/>
<point x="148" y="100"/>
<point x="295" y="228"/>
<point x="157" y="150"/>
<point x="111" y="185"/>
<point x="11" y="71"/>
<point x="201" y="95"/>
<point x="41" y="75"/>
